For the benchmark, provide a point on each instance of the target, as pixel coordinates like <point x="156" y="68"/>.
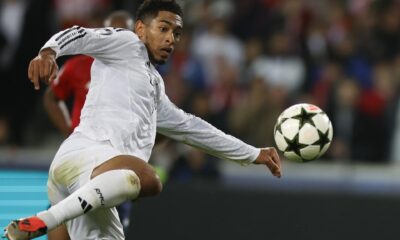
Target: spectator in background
<point x="342" y="108"/>
<point x="214" y="43"/>
<point x="258" y="17"/>
<point x="395" y="150"/>
<point x="20" y="37"/>
<point x="260" y="107"/>
<point x="253" y="50"/>
<point x="226" y="92"/>
<point x="373" y="124"/>
<point x="386" y="32"/>
<point x="338" y="95"/>
<point x="280" y="67"/>
<point x="79" y="12"/>
<point x="190" y="163"/>
<point x="326" y="82"/>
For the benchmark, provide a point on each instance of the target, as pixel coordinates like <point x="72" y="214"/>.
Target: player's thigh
<point x="58" y="233"/>
<point x="101" y="224"/>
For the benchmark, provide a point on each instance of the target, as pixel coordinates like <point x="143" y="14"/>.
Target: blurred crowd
<point x="239" y="64"/>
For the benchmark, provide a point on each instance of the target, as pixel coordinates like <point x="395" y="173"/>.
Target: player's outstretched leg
<point x="113" y="182"/>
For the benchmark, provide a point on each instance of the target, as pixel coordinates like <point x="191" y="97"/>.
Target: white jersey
<point x="126" y="103"/>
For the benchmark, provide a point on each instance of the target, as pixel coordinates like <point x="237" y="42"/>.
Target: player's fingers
<point x="35" y="77"/>
<point x="49" y="66"/>
<point x="47" y="70"/>
<point x="275" y="173"/>
<point x="275" y="157"/>
<point x="273" y="167"/>
<point x="30" y="71"/>
<point x="42" y="67"/>
<point x="53" y="73"/>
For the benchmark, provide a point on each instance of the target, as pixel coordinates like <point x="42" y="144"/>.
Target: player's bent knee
<point x="157" y="186"/>
<point x="134" y="185"/>
<point x="150" y="184"/>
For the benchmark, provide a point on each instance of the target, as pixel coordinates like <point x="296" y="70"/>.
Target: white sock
<point x="107" y="190"/>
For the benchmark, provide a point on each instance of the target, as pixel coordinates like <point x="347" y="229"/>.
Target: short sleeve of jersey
<point x="61" y="87"/>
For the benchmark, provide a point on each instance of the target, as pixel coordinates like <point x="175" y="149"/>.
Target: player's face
<point x="160" y="35"/>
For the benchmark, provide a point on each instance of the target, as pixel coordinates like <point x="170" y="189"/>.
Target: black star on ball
<point x="278" y="127"/>
<point x="305" y="117"/>
<point x="294" y="145"/>
<point x="323" y="139"/>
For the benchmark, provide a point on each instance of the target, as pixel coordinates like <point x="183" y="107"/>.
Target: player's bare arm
<point x="270" y="158"/>
<point x="43" y="68"/>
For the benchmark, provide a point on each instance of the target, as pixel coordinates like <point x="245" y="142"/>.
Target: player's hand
<point x="43" y="68"/>
<point x="270" y="158"/>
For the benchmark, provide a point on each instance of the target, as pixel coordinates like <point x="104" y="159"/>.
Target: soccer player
<point x="104" y="161"/>
<point x="73" y="82"/>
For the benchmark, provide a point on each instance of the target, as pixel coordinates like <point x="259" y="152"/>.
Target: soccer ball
<point x="303" y="132"/>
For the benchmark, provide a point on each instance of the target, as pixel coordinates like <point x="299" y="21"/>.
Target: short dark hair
<point x="150" y="8"/>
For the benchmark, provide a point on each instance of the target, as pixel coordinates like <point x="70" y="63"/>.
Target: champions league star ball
<point x="303" y="132"/>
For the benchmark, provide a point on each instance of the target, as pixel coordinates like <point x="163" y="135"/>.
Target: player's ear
<point x="140" y="29"/>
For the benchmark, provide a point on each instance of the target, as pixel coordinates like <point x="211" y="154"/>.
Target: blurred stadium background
<point x="239" y="64"/>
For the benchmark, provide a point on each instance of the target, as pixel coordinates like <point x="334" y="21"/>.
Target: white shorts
<point x="71" y="169"/>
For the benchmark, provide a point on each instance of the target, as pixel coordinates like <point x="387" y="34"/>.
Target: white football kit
<point x="126" y="105"/>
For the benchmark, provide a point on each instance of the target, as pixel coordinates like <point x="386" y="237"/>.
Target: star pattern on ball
<point x="294" y="145"/>
<point x="323" y="139"/>
<point x="278" y="127"/>
<point x="305" y="117"/>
